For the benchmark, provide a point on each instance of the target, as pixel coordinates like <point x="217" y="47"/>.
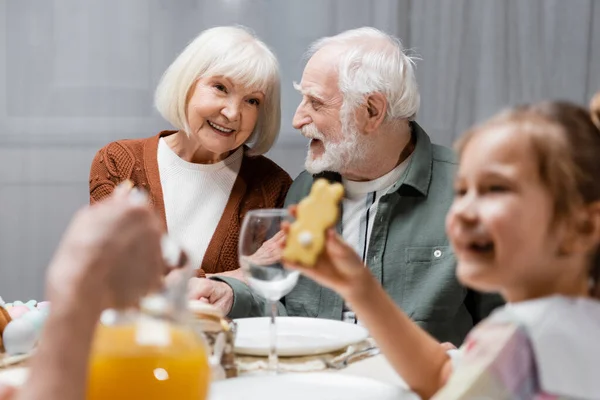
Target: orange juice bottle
<point x="141" y="355"/>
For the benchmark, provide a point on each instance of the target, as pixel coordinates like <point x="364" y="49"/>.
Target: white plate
<point x="313" y="386"/>
<point x="296" y="336"/>
<point x="14" y="376"/>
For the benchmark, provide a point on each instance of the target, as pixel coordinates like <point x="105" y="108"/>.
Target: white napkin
<point x="248" y="365"/>
<point x="14" y="377"/>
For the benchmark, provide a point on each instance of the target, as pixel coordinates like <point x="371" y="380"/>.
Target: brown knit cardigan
<point x="260" y="184"/>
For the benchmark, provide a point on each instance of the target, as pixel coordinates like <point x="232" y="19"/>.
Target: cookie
<point x="315" y="214"/>
<point x="4" y="320"/>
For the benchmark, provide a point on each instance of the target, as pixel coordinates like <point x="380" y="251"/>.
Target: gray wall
<point x="75" y="75"/>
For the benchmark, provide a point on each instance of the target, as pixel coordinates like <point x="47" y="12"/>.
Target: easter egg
<point x="42" y="305"/>
<point x="36" y="317"/>
<point x="31" y="304"/>
<point x="19" y="337"/>
<point x="4" y="321"/>
<point x="17" y="311"/>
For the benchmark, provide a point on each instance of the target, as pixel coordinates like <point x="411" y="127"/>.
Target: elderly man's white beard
<point x="336" y="157"/>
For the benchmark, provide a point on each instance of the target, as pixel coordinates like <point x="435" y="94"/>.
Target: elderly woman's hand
<point x="217" y="293"/>
<point x="110" y="255"/>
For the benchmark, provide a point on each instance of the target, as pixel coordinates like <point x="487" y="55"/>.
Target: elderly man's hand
<point x="214" y="292"/>
<point x="110" y="255"/>
<point x="236" y="273"/>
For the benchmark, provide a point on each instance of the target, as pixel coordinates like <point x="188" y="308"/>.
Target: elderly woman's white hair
<point x="374" y="62"/>
<point x="233" y="52"/>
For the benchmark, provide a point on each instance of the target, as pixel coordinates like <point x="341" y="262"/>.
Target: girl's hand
<point x="338" y="268"/>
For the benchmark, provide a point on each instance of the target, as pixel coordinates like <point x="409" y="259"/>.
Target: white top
<point x="564" y="333"/>
<point x="195" y="196"/>
<point x="359" y="205"/>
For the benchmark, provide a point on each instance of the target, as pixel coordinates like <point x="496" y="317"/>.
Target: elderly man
<point x="359" y="102"/>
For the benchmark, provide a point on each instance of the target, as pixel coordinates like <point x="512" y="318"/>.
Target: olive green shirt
<point x="408" y="253"/>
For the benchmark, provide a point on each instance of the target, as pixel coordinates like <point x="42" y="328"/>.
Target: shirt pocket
<point x="431" y="290"/>
<point x="428" y="254"/>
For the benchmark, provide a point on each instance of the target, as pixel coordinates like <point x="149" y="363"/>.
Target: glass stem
<point x="272" y="309"/>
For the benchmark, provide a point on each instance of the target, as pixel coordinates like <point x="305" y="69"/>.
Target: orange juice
<point x="124" y="367"/>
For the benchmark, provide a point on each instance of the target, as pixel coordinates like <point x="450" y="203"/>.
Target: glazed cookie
<point x="316" y="213"/>
<point x="595" y="109"/>
<point x="4" y="320"/>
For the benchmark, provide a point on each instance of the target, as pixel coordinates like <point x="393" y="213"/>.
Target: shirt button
<point x="437" y="253"/>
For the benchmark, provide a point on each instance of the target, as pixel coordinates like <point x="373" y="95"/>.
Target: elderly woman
<point x="222" y="93"/>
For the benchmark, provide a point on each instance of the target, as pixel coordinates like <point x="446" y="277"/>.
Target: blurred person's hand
<point x="110" y="255"/>
<point x="6" y="392"/>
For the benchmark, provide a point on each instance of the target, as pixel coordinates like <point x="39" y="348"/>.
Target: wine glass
<point x="260" y="249"/>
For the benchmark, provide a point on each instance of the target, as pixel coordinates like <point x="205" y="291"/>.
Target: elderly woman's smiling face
<point x="221" y="113"/>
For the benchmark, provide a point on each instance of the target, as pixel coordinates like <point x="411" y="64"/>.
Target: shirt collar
<point x="418" y="171"/>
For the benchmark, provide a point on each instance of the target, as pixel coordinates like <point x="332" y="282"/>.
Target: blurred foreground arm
<point x="109" y="257"/>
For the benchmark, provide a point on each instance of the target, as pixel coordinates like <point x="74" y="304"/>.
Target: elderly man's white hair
<point x="234" y="52"/>
<point x="374" y="62"/>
